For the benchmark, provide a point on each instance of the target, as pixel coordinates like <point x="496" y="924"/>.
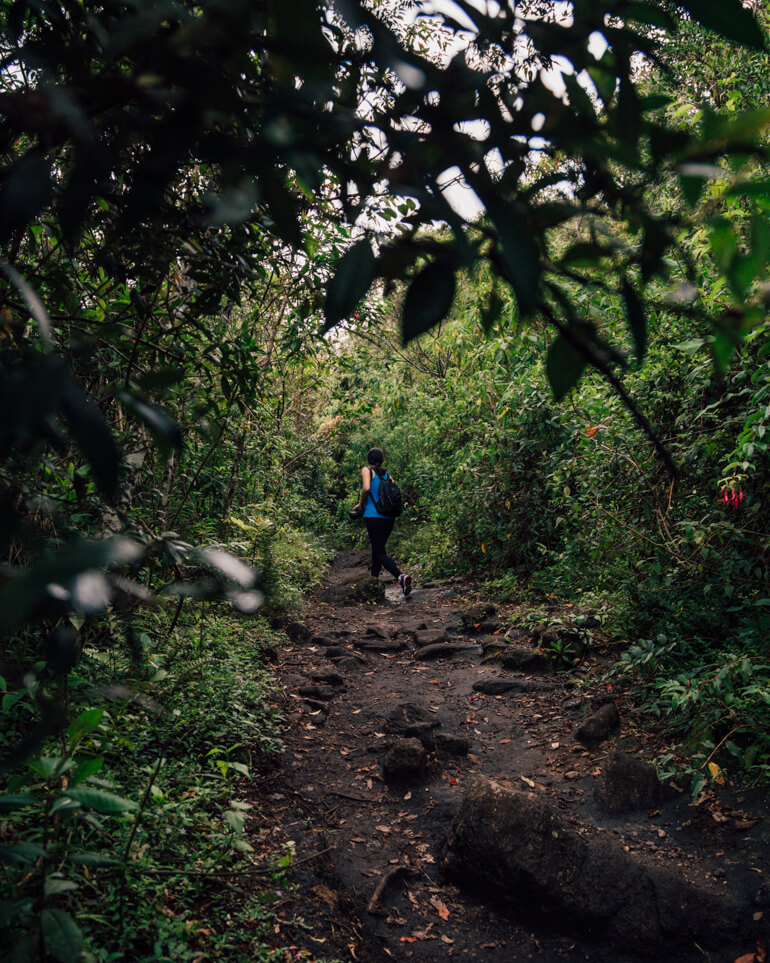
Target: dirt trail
<point x="369" y="882"/>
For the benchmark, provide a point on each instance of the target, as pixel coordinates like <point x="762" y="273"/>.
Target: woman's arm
<point x="366" y="484"/>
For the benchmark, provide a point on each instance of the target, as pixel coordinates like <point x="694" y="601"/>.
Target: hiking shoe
<point x="405" y="581"/>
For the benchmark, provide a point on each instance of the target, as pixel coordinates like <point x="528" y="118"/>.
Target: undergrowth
<point x="133" y="828"/>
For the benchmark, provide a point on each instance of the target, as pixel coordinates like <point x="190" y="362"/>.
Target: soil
<point x="367" y="878"/>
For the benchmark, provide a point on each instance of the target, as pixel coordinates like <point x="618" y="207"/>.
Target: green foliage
<point x="131" y="815"/>
<point x="290" y="560"/>
<point x="718" y="709"/>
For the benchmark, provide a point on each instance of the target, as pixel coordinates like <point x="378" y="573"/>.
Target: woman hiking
<point x="378" y="526"/>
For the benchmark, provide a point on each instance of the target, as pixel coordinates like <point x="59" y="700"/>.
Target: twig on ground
<point x="373" y="906"/>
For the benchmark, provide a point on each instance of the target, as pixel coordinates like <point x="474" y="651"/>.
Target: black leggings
<point x="379" y="530"/>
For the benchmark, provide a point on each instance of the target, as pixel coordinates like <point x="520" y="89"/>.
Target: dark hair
<point x="375" y="456"/>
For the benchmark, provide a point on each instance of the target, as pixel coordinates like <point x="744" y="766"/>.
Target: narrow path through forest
<point x="396" y="708"/>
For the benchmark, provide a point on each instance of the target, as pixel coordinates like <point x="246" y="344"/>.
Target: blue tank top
<point x="370" y="509"/>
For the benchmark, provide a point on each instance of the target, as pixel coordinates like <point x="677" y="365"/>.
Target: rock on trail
<point x="519" y="848"/>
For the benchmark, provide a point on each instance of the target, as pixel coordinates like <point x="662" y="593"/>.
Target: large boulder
<point x="475" y="613"/>
<point x="519" y="848"/>
<point x="323" y="692"/>
<point x="522" y="658"/>
<point x="409" y="720"/>
<point x="327" y="677"/>
<point x="298" y="632"/>
<point x="445" y="650"/>
<point x="599" y="726"/>
<point x="628" y="784"/>
<point x="372" y="644"/>
<point x="495" y="686"/>
<point x="404" y="761"/>
<point x="430" y="637"/>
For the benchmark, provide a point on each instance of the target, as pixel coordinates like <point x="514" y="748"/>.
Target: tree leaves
<point x="518" y="254"/>
<point x="428" y="299"/>
<point x="729" y="18"/>
<point x="230" y="566"/>
<point x="62" y="936"/>
<point x="34" y="304"/>
<point x="637" y="321"/>
<point x="351" y="281"/>
<point x="164" y="429"/>
<point x="93" y="436"/>
<point x="25" y="854"/>
<point x="32" y="587"/>
<point x="26" y="190"/>
<point x="101" y="801"/>
<point x="10" y="802"/>
<point x="564" y="366"/>
<point x="13" y="909"/>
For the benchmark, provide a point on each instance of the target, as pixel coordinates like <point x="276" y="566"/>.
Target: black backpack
<point x="389" y="502"/>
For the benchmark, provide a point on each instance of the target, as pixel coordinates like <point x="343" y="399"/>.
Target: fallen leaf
<point x="408" y="939"/>
<point x="408" y="796"/>
<point x="440" y="907"/>
<point x="716" y="774"/>
<point x="748" y="958"/>
<point x="446" y="939"/>
<point x="383" y="829"/>
<point x="529" y="782"/>
<point x="745" y="823"/>
<point x="572" y="774"/>
<point x="328" y="896"/>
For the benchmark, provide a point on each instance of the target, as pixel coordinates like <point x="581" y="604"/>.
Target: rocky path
<point x="446" y="797"/>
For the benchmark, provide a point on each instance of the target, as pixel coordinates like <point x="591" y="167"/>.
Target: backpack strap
<point x="374" y="471"/>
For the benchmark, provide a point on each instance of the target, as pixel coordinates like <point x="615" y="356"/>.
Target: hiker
<point x="378" y="525"/>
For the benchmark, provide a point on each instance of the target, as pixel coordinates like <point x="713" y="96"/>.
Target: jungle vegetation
<point x="230" y="264"/>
